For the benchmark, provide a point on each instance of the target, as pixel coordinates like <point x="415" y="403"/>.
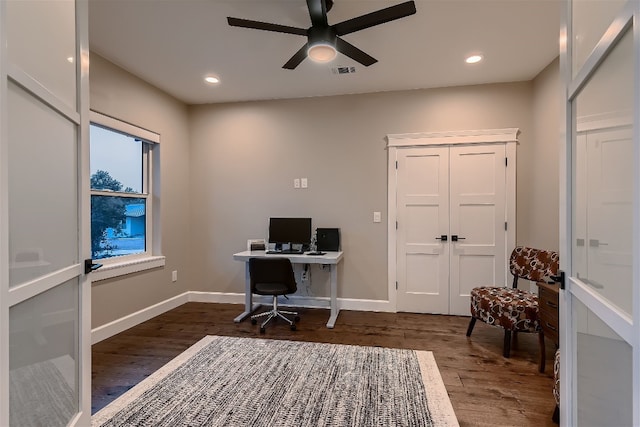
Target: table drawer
<point x="548" y="301"/>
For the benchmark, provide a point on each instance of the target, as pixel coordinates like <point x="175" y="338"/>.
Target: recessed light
<point x="212" y="79"/>
<point x="473" y="59"/>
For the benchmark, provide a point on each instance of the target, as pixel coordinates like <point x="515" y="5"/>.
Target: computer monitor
<point x="296" y="231"/>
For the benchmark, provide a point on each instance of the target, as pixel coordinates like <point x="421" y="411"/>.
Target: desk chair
<point x="272" y="276"/>
<point x="515" y="310"/>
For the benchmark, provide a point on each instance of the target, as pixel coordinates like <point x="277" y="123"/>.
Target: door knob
<point x="442" y="237"/>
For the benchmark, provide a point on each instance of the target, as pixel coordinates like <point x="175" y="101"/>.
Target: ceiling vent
<point x="343" y="70"/>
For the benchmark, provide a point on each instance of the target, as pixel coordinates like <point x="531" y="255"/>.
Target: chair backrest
<point x="272" y="270"/>
<point x="533" y="264"/>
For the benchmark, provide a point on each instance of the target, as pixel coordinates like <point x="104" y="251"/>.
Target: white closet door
<point x="478" y="216"/>
<point x="423" y="217"/>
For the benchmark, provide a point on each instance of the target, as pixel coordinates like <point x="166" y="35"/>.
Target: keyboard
<point x="286" y="252"/>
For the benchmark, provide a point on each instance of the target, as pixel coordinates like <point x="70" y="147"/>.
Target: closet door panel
<point x="423" y="216"/>
<point x="478" y="215"/>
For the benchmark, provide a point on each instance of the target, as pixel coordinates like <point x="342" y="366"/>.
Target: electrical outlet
<point x="304" y="183"/>
<point x="377" y="217"/>
<point x="296" y="183"/>
<point x="174" y="276"/>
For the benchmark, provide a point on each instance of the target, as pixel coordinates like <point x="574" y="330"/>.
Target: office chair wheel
<point x="254" y="321"/>
<point x="262" y="330"/>
<point x="293" y="327"/>
<point x="296" y="319"/>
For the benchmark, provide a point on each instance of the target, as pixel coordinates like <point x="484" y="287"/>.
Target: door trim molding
<point x="459" y="137"/>
<point x="395" y="142"/>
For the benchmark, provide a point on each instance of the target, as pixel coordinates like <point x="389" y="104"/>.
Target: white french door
<point x="44" y="293"/>
<point x="423" y="230"/>
<point x="600" y="216"/>
<point x="478" y="219"/>
<point x="448" y="213"/>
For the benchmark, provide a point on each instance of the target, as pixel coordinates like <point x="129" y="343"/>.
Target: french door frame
<point x="79" y="116"/>
<point x="624" y="325"/>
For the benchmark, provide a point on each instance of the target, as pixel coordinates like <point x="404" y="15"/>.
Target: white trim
<point x="4" y="222"/>
<point x="392" y="235"/>
<point x="483" y="136"/>
<point x="35" y="287"/>
<point x="35" y="88"/>
<point x="129" y="266"/>
<point x="123" y="127"/>
<point x="621" y="323"/>
<point x="119" y="325"/>
<point x="604" y="121"/>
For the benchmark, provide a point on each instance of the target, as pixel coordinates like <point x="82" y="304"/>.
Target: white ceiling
<point x="173" y="44"/>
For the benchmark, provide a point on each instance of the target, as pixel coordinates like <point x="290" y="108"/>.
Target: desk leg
<point x="334" y="297"/>
<point x="248" y="296"/>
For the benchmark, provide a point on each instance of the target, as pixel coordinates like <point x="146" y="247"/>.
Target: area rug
<point x="229" y="381"/>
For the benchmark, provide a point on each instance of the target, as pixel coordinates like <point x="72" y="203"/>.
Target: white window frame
<point x="151" y="258"/>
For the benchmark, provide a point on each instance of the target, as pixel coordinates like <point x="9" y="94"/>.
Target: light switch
<point x="377" y="217"/>
<point x="303" y="182"/>
<point x="296" y="183"/>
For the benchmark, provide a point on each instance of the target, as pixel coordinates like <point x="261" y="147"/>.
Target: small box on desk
<point x="328" y="239"/>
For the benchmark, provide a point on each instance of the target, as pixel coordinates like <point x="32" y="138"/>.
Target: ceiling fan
<point x="324" y="40"/>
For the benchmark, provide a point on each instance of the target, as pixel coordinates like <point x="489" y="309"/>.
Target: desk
<point x="330" y="258"/>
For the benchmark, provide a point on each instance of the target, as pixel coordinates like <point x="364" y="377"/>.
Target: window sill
<point x="109" y="271"/>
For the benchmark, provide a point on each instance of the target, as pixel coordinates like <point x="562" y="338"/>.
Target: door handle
<point x="90" y="266"/>
<point x="594" y="243"/>
<point x="455" y="238"/>
<point x="443" y="238"/>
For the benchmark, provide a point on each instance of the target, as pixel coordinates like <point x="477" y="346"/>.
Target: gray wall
<point x="244" y="158"/>
<point x="538" y="208"/>
<point x="116" y="93"/>
<point x="226" y="168"/>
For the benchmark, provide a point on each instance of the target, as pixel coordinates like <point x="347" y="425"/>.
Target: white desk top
<point x="327" y="258"/>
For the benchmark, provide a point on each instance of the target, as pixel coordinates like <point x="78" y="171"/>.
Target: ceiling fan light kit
<point x="324" y="40"/>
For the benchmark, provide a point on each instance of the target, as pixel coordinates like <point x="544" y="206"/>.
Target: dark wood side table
<point x="548" y="303"/>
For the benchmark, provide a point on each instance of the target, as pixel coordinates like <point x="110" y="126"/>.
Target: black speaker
<point x="328" y="239"/>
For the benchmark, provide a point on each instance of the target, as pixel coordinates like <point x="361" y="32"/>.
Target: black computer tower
<point x="328" y="239"/>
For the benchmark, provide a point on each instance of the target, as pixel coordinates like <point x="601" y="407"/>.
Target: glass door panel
<point x="43" y="189"/>
<point x="603" y="179"/>
<point x="41" y="41"/>
<point x="603" y="365"/>
<point x="590" y="21"/>
<point x="43" y="352"/>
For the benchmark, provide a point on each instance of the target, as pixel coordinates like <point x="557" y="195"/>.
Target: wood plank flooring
<point x="485" y="388"/>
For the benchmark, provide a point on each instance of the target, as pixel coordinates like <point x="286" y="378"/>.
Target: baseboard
<point x="119" y="325"/>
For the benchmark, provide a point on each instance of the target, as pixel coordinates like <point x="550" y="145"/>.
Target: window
<point x="121" y="192"/>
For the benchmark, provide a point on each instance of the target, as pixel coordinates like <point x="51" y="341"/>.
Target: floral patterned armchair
<point x="515" y="310"/>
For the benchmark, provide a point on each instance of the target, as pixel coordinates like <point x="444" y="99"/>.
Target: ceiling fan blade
<point x="297" y="58"/>
<point x="354" y="53"/>
<point x="375" y="18"/>
<point x="266" y="26"/>
<point x="318" y="12"/>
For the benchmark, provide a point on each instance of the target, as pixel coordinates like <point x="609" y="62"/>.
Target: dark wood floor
<point x="485" y="388"/>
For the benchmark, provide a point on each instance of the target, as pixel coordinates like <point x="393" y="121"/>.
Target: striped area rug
<point x="229" y="381"/>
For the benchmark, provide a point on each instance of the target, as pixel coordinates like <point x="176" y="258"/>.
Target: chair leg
<point x="556" y="415"/>
<point x="542" y="351"/>
<point x="506" y="351"/>
<point x="472" y="323"/>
